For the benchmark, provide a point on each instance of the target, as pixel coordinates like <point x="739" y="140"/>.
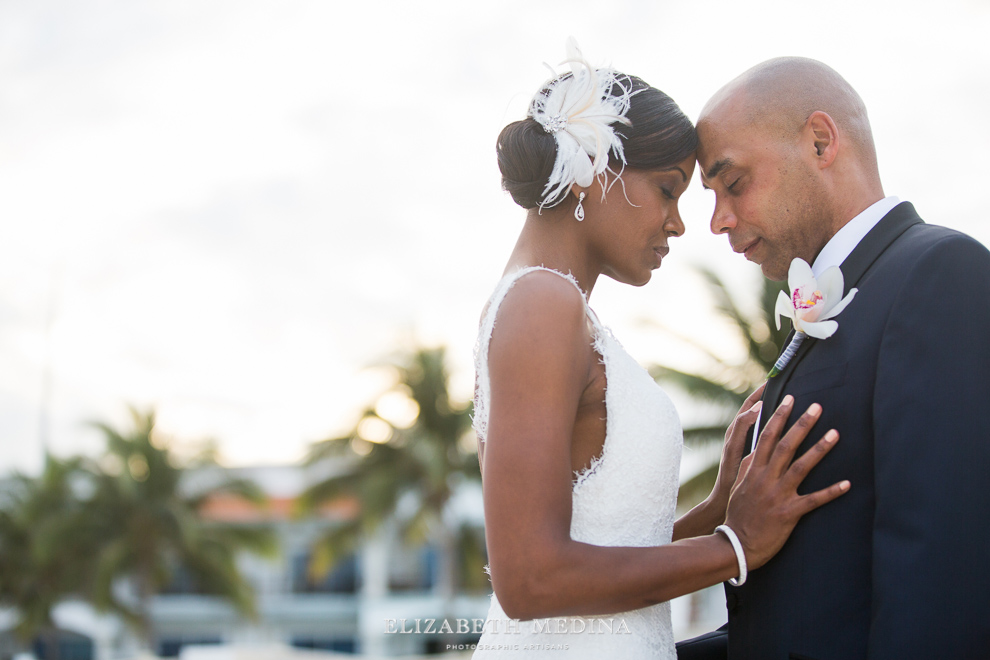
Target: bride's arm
<point x="538" y="363"/>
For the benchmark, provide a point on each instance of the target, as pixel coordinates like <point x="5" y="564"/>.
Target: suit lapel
<point x="892" y="225"/>
<point x="895" y="223"/>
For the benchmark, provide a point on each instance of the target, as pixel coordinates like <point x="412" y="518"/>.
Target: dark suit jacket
<point x="898" y="567"/>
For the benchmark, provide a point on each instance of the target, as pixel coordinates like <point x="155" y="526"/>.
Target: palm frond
<point x="420" y="462"/>
<point x="698" y="386"/>
<point x="696" y="489"/>
<point x="727" y="307"/>
<point x="329" y="448"/>
<point x="703" y="436"/>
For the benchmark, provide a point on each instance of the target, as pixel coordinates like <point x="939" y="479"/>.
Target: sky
<point x="227" y="211"/>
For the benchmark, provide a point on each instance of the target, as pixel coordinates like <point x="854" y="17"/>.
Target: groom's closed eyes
<point x="717" y="168"/>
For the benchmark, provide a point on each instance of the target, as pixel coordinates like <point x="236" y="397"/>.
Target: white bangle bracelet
<point x="740" y="555"/>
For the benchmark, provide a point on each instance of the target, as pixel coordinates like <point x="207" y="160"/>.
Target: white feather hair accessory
<point x="579" y="111"/>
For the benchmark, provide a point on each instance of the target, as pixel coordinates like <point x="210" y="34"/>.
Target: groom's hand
<point x="765" y="505"/>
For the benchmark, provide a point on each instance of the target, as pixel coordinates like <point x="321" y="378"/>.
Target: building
<point x="355" y="609"/>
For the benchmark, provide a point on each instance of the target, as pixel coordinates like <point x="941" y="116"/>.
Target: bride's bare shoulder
<point x="549" y="282"/>
<point x="542" y="311"/>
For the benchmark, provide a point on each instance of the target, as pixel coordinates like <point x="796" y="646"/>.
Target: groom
<point x="899" y="567"/>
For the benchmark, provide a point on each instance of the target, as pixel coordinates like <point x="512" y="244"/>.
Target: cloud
<point x="238" y="205"/>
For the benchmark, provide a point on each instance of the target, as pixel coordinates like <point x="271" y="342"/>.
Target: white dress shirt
<point x="848" y="237"/>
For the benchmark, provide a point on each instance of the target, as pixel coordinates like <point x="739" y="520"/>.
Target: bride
<point x="579" y="447"/>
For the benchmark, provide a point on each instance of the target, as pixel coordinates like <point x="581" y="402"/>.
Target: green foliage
<point x="149" y="528"/>
<point x="726" y="384"/>
<point x="427" y="459"/>
<point x="83" y="526"/>
<point x="42" y="541"/>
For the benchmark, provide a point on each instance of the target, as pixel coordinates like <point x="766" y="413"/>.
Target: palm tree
<point x="149" y="528"/>
<point x="43" y="545"/>
<point x="726" y="384"/>
<point x="421" y="460"/>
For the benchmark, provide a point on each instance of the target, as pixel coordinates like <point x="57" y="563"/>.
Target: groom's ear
<point x="824" y="136"/>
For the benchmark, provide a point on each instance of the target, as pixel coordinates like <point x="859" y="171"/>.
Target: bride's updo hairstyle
<point x="554" y="146"/>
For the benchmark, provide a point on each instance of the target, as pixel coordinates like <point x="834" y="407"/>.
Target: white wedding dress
<point x="625" y="498"/>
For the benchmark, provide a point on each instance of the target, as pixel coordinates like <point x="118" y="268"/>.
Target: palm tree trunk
<point x="144" y="606"/>
<point x="446" y="577"/>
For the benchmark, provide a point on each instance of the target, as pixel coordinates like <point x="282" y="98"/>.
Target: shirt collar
<point x="848" y="237"/>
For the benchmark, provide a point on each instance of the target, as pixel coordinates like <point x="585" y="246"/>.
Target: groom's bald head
<point x="779" y="95"/>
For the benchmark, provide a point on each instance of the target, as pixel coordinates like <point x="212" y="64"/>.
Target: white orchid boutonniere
<point x="810" y="306"/>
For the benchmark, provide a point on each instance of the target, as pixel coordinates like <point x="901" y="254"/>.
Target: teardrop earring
<point x="579" y="210"/>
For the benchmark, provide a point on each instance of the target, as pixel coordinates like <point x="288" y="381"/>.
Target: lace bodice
<point x="626" y="497"/>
